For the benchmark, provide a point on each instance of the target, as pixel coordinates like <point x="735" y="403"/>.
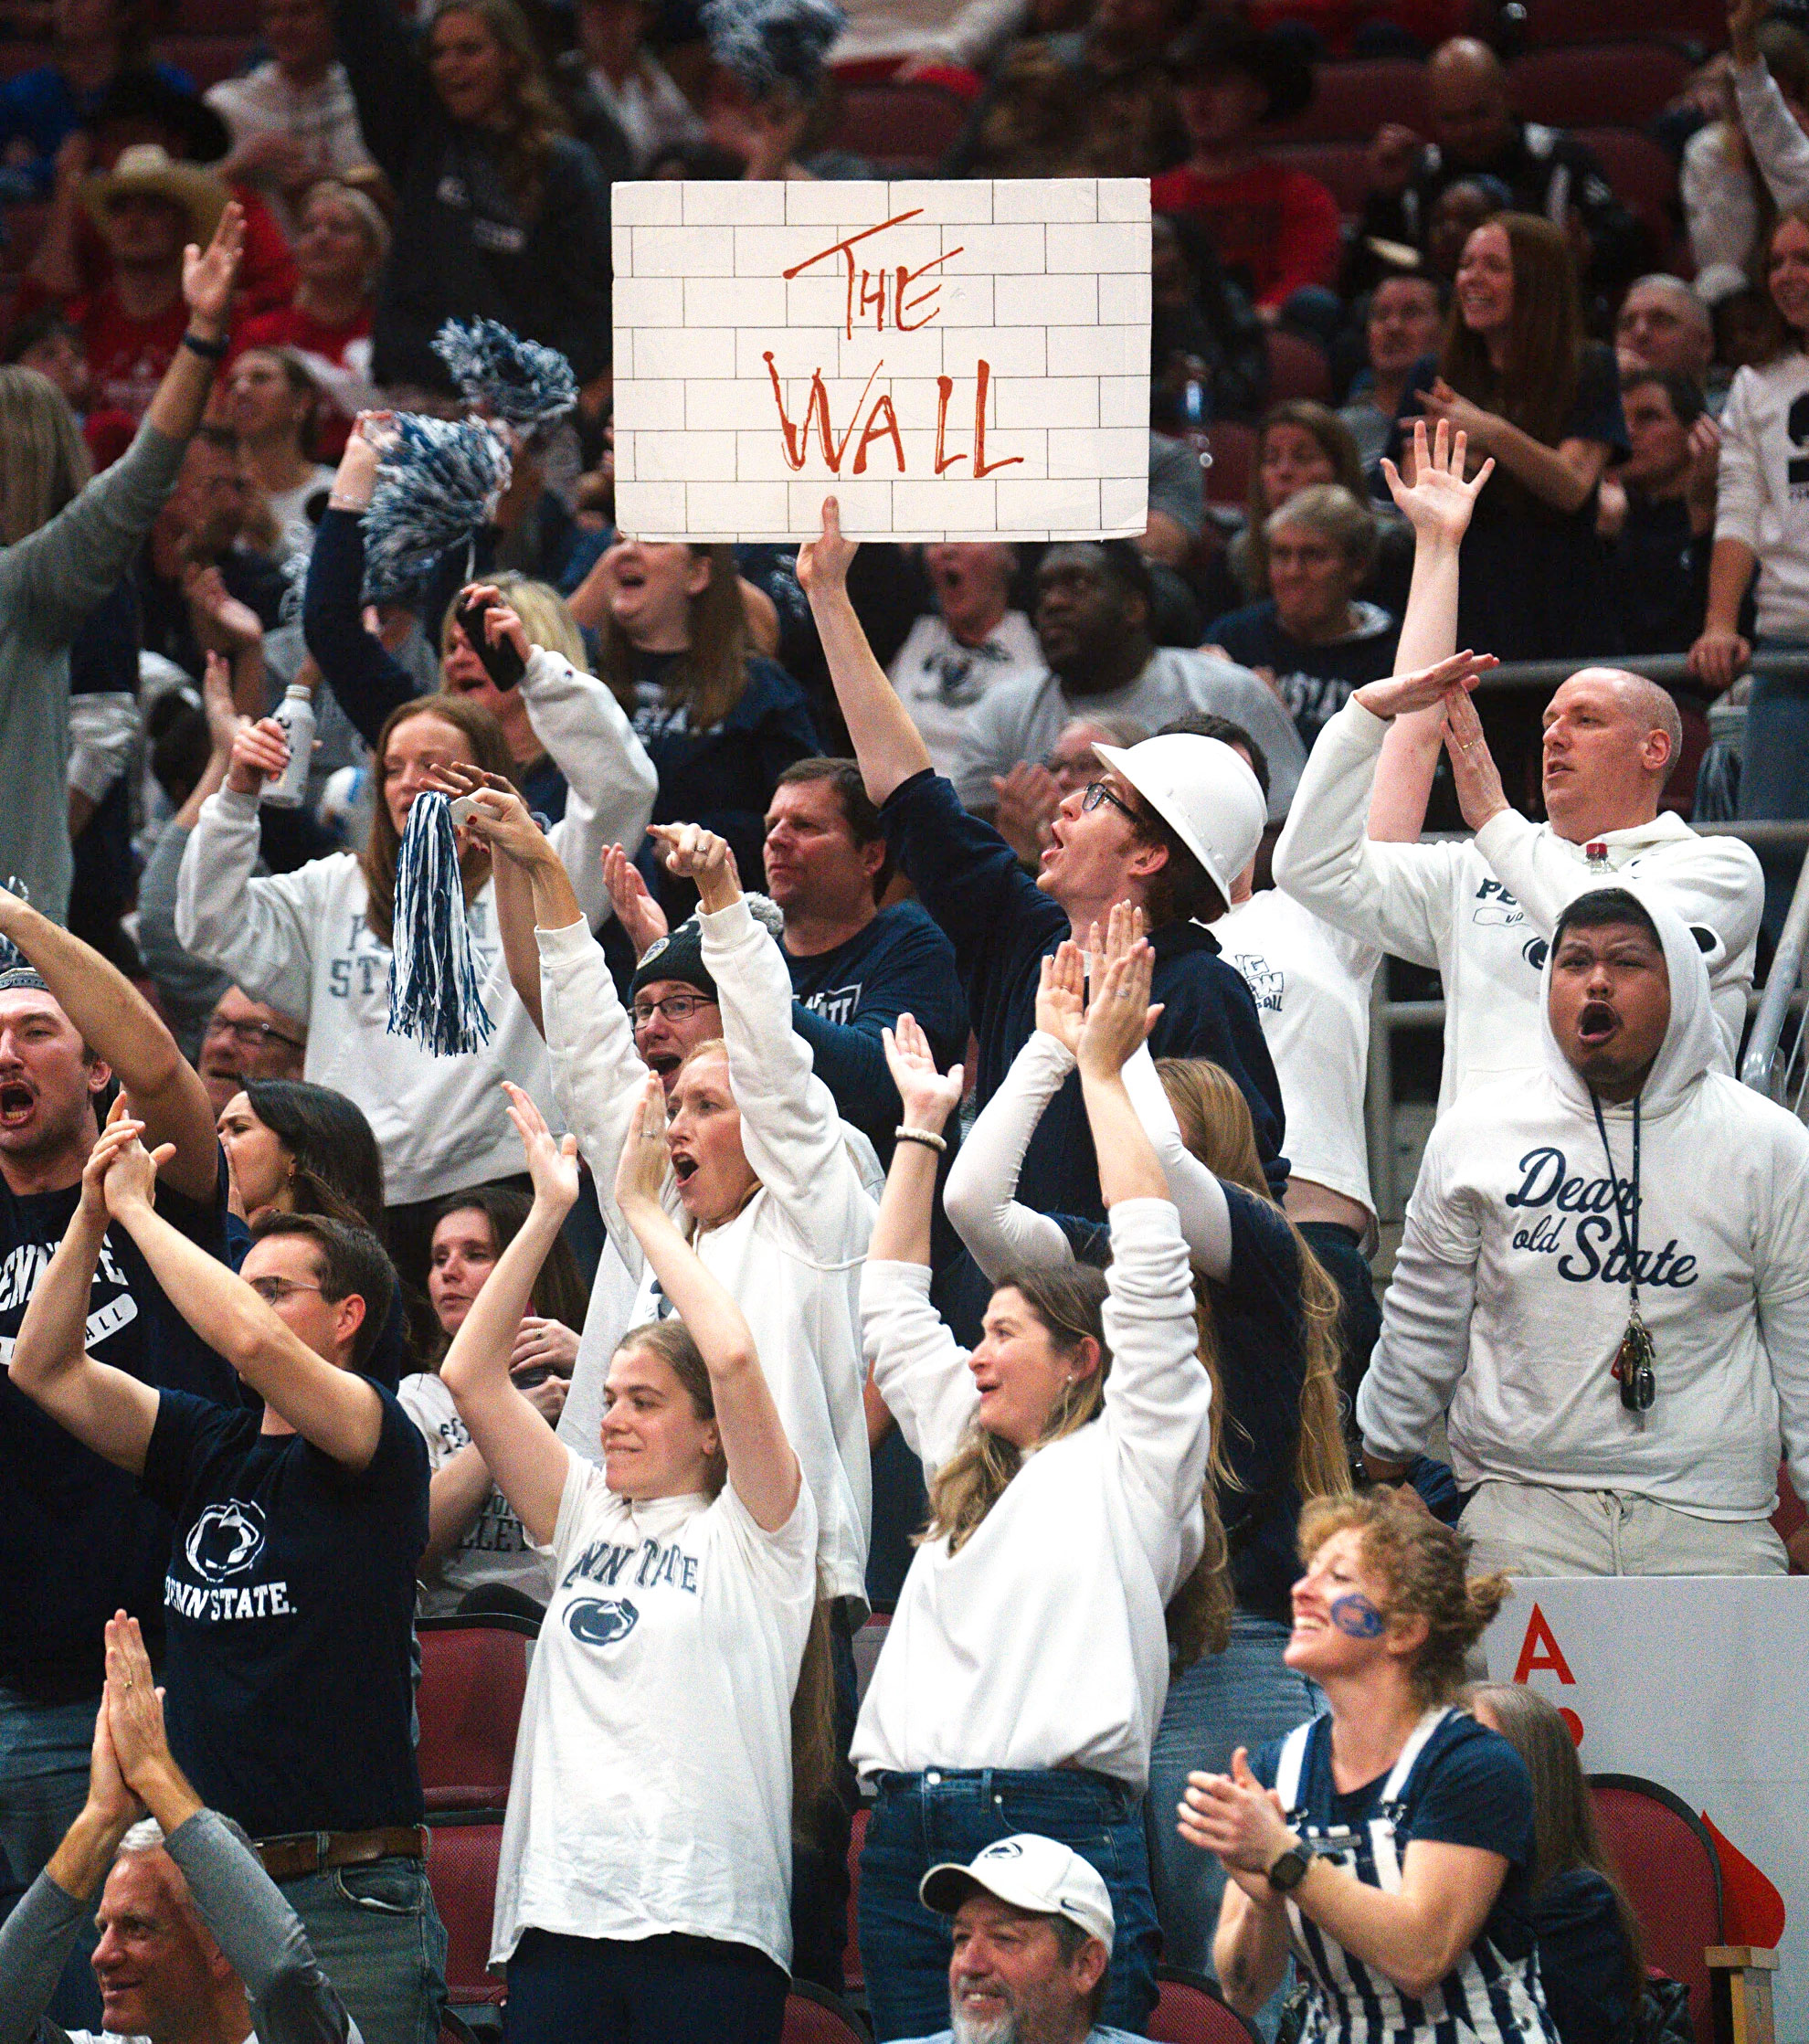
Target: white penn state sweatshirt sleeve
<point x="1426" y="1335"/>
<point x="1397" y="896"/>
<point x="1780" y="1282"/>
<point x="261" y="932"/>
<point x="919" y="1368"/>
<point x="981" y="1197"/>
<point x="790" y="1128"/>
<point x="611" y="782"/>
<point x="1756" y="499"/>
<point x="1779" y="148"/>
<point x="598" y="1074"/>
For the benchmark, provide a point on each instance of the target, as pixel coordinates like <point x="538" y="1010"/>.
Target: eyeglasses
<point x="1097" y="792"/>
<point x="274" y="1290"/>
<point x="251" y="1035"/>
<point x="675" y="1007"/>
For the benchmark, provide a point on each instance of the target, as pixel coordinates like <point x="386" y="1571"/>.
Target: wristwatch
<point x="1290" y="1869"/>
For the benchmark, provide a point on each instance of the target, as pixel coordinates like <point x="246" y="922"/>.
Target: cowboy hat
<point x="148" y="167"/>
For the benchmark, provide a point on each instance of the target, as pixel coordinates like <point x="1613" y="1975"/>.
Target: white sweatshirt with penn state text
<point x="300" y="941"/>
<point x="1762" y="492"/>
<point x="791" y="1258"/>
<point x="1510" y="1294"/>
<point x="1042" y="1643"/>
<point x="1482" y="910"/>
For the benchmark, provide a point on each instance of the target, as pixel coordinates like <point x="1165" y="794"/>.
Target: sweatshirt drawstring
<point x="1633" y="1359"/>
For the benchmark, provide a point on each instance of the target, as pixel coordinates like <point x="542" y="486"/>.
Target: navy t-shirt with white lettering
<point x="85" y="1541"/>
<point x="290" y="1609"/>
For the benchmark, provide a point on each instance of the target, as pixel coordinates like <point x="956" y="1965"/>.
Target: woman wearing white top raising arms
<point x="646" y="1864"/>
<point x="1025" y="1670"/>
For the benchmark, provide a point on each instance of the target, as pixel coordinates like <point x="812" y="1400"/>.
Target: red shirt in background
<point x="325" y="345"/>
<point x="1278" y="227"/>
<point x="127" y="357"/>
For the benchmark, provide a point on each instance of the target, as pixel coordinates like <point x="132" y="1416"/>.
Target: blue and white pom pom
<point x="762" y="42"/>
<point x="520" y="381"/>
<point x="433" y="980"/>
<point x="436" y="483"/>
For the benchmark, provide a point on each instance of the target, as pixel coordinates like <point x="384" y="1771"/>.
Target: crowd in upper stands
<point x="914" y="1156"/>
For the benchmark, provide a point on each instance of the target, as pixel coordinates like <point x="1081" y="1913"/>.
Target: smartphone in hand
<point x="501" y="663"/>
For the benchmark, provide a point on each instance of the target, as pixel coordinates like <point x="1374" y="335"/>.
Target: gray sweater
<point x="292" y="2002"/>
<point x="50" y="581"/>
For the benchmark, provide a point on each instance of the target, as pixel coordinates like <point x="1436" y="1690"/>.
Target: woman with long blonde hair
<point x="1073" y="1547"/>
<point x="1266" y="1321"/>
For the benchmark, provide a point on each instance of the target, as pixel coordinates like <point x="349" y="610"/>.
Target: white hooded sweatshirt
<point x="1482" y="910"/>
<point x="1510" y="1295"/>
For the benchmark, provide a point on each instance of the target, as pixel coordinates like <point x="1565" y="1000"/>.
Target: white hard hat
<point x="1206" y="794"/>
<point x="1032" y="1873"/>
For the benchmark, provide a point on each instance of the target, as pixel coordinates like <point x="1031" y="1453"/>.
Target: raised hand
<point x="552" y="1161"/>
<point x="1480" y="794"/>
<point x="207" y="278"/>
<point x="134" y="1704"/>
<point x="642" y="919"/>
<point x="693" y="853"/>
<point x="1743" y="19"/>
<point x="125" y="1171"/>
<point x="822" y="563"/>
<point x="929" y="1096"/>
<point x="1060" y="995"/>
<point x="640" y="1176"/>
<point x="224" y="722"/>
<point x="1120" y="1017"/>
<point x="499" y="818"/>
<point x="543" y="1344"/>
<point x="1235" y="1817"/>
<point x="1452" y="677"/>
<point x="259" y="753"/>
<point x="1438" y="502"/>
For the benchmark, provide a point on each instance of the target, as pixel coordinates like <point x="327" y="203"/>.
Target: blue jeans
<point x="44" y="1756"/>
<point x="379" y="1939"/>
<point x="1244" y="1697"/>
<point x="949" y="1813"/>
<point x="657" y="1990"/>
<point x="1774" y="770"/>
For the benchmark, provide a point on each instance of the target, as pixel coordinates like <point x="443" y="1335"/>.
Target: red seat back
<point x="1233" y="455"/>
<point x="1666" y="1862"/>
<point x="914" y="125"/>
<point x="1352" y="100"/>
<point x="1622" y="85"/>
<point x="461" y="1871"/>
<point x="1296" y="368"/>
<point x="474" y="1678"/>
<point x="1549" y="22"/>
<point x="1342" y="168"/>
<point x="1645" y="179"/>
<point x="1191" y="2010"/>
<point x="852" y="1976"/>
<point x="814" y="2015"/>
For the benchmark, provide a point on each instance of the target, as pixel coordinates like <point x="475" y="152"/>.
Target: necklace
<point x="1632" y="1367"/>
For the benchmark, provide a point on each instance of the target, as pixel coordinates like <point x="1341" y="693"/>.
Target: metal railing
<point x="1776" y="1059"/>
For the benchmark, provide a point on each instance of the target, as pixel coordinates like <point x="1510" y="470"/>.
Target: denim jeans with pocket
<point x="45" y="1750"/>
<point x="379" y="1939"/>
<point x="919" y="1821"/>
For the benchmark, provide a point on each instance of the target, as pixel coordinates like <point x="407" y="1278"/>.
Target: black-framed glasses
<point x="251" y="1035"/>
<point x="1097" y="792"/>
<point x="676" y="1008"/>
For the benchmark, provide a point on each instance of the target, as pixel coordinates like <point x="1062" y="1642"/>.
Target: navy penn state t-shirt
<point x="289" y="1609"/>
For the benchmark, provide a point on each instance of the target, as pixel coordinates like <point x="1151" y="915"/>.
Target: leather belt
<point x="316" y="1852"/>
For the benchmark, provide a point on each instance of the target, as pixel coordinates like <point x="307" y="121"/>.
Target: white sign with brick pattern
<point x="952" y="360"/>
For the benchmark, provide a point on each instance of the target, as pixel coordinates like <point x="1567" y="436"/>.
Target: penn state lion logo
<point x="225" y="1540"/>
<point x="601" y="1621"/>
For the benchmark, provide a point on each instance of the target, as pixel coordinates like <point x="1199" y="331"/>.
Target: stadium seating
<point x="474" y="1678"/>
<point x="1645" y="180"/>
<point x="902" y="129"/>
<point x="1189" y="2009"/>
<point x="1666" y="1862"/>
<point x="853" y="1978"/>
<point x="1343" y="167"/>
<point x="461" y="1870"/>
<point x="1352" y="100"/>
<point x="1296" y="368"/>
<point x="1233" y="452"/>
<point x="814" y="2015"/>
<point x="1549" y="21"/>
<point x="1575" y="86"/>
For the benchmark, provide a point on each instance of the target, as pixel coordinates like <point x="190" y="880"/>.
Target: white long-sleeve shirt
<point x="1509" y="1296"/>
<point x="791" y="1257"/>
<point x="300" y="941"/>
<point x="1763" y="489"/>
<point x="1042" y="1643"/>
<point x="1482" y="911"/>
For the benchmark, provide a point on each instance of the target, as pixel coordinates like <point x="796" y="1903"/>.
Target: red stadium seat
<point x="1234" y="453"/>
<point x="1666" y="1862"/>
<point x="1296" y="368"/>
<point x="1622" y="85"/>
<point x="1352" y="100"/>
<point x="1191" y="2010"/>
<point x="1549" y="21"/>
<point x="896" y="125"/>
<point x="1645" y="179"/>
<point x="852" y="1976"/>
<point x="1342" y="168"/>
<point x="814" y="2015"/>
<point x="474" y="1678"/>
<point x="461" y="1870"/>
<point x="208" y="58"/>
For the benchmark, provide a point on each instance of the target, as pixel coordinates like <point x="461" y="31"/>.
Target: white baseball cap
<point x="1206" y="794"/>
<point x="1030" y="1873"/>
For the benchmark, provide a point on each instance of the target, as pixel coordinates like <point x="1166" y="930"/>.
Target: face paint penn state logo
<point x="225" y="1540"/>
<point x="601" y="1621"/>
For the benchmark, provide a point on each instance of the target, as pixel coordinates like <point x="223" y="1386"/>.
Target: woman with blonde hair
<point x="1073" y="1550"/>
<point x="316" y="943"/>
<point x="1389" y="1842"/>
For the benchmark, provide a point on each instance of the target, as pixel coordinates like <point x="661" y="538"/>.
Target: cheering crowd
<point x="540" y="1075"/>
